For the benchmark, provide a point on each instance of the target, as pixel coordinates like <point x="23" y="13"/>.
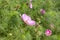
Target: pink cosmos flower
<point x="48" y="32"/>
<point x="30" y="22"/>
<point x="25" y="17"/>
<point x="30" y="5"/>
<point x="27" y="20"/>
<point x="42" y="11"/>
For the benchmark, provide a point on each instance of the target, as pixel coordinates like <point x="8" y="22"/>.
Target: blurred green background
<point x="13" y="28"/>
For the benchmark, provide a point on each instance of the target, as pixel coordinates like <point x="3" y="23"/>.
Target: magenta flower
<point x="27" y="20"/>
<point x="30" y="5"/>
<point x="48" y="32"/>
<point x="42" y="11"/>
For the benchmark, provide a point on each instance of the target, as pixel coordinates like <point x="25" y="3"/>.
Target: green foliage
<point x="12" y="26"/>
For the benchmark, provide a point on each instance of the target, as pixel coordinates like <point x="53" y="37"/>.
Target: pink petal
<point x="27" y="20"/>
<point x="25" y="17"/>
<point x="30" y="5"/>
<point x="48" y="32"/>
<point x="42" y="11"/>
<point x="30" y="22"/>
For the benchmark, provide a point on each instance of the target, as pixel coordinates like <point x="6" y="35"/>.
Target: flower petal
<point x="30" y="22"/>
<point x="25" y="17"/>
<point x="48" y="32"/>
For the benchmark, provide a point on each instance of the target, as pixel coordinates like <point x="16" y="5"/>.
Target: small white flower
<point x="30" y="0"/>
